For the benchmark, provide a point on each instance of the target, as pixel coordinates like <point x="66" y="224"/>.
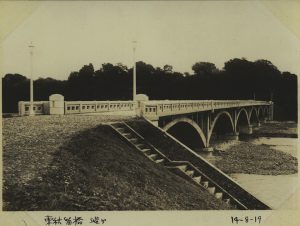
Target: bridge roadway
<point x="155" y="109"/>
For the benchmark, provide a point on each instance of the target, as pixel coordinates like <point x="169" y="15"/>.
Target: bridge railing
<point x="161" y="108"/>
<point x="149" y="109"/>
<point x="39" y="107"/>
<point x="73" y="107"/>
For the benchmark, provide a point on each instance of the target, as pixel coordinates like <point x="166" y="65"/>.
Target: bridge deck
<point x="154" y="109"/>
<point x="149" y="109"/>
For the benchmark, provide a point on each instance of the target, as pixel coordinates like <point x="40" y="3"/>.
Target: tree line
<point x="239" y="79"/>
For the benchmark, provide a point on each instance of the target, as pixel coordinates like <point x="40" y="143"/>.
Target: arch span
<point x="265" y="111"/>
<point x="238" y="116"/>
<point x="191" y="123"/>
<point x="215" y="121"/>
<point x="260" y="113"/>
<point x="253" y="116"/>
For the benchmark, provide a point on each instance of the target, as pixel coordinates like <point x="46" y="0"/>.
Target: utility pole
<point x="31" y="112"/>
<point x="134" y="71"/>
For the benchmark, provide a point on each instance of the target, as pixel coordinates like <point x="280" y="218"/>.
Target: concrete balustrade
<point x="57" y="106"/>
<point x="77" y="107"/>
<point x="39" y="107"/>
<point x="154" y="109"/>
<point x="143" y="107"/>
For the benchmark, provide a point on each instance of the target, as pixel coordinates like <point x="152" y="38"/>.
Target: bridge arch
<point x="260" y="113"/>
<point x="239" y="114"/>
<point x="265" y="111"/>
<point x="190" y="122"/>
<point x="222" y="113"/>
<point x="253" y="116"/>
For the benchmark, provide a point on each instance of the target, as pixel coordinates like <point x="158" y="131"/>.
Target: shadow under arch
<point x="266" y="111"/>
<point x="261" y="113"/>
<point x="242" y="122"/>
<point x="184" y="122"/>
<point x="253" y="116"/>
<point x="238" y="117"/>
<point x="225" y="116"/>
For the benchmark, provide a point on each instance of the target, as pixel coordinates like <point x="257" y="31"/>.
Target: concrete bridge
<point x="187" y="119"/>
<point x="190" y="122"/>
<point x="208" y="119"/>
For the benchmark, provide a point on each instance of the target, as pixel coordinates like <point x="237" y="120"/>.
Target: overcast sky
<point x="68" y="35"/>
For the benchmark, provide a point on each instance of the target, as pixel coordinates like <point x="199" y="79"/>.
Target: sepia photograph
<point x="183" y="110"/>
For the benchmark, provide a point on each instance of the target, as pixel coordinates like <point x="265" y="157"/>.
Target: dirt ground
<point x="77" y="163"/>
<point x="245" y="156"/>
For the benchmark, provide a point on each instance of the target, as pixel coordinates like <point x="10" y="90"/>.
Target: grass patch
<point x="256" y="159"/>
<point x="73" y="163"/>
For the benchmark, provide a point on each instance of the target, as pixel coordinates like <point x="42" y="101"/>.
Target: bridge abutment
<point x="207" y="149"/>
<point x="258" y="124"/>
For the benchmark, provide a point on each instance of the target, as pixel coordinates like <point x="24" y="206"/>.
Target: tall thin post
<point x="134" y="71"/>
<point x="31" y="112"/>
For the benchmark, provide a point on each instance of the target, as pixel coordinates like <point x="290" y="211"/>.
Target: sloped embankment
<point x="95" y="170"/>
<point x="178" y="152"/>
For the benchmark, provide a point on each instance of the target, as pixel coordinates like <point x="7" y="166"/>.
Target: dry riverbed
<point x="265" y="164"/>
<point x="264" y="156"/>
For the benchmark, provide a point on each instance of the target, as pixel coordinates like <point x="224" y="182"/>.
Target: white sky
<point x="68" y="35"/>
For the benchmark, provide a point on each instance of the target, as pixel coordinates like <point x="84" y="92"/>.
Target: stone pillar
<point x="21" y="108"/>
<point x="206" y="124"/>
<point x="207" y="149"/>
<point x="246" y="129"/>
<point x="140" y="98"/>
<point x="232" y="136"/>
<point x="271" y="111"/>
<point x="56" y="104"/>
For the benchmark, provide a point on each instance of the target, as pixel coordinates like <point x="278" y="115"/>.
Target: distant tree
<point x="268" y="76"/>
<point x="86" y="72"/>
<point x="144" y="69"/>
<point x="239" y="79"/>
<point x="122" y="67"/>
<point x="186" y="74"/>
<point x="44" y="87"/>
<point x="168" y="68"/>
<point x="204" y="68"/>
<point x="15" y="88"/>
<point x="14" y="78"/>
<point x="238" y="67"/>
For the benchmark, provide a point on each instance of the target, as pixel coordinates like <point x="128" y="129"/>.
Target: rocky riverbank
<point x="265" y="163"/>
<point x="253" y="156"/>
